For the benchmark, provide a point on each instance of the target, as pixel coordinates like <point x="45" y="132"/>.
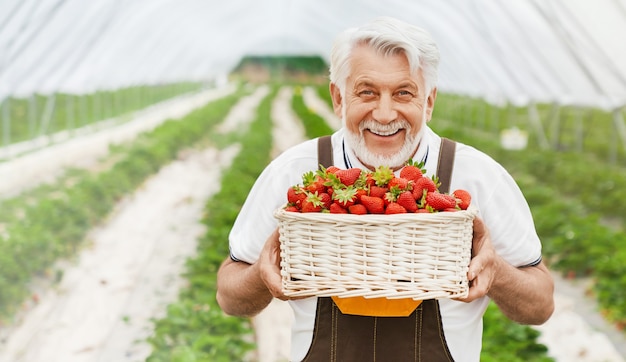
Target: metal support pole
<point x="535" y="121"/>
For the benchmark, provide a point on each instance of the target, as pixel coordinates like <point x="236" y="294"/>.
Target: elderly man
<point x="383" y="86"/>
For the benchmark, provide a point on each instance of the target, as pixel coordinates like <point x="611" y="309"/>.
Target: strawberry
<point x="295" y="195"/>
<point x="463" y="198"/>
<point x="421" y="185"/>
<point x="313" y="183"/>
<point x="335" y="208"/>
<point x="382" y="175"/>
<point x="412" y="171"/>
<point x="332" y="169"/>
<point x="313" y="203"/>
<point x="325" y="199"/>
<point x="292" y="208"/>
<point x="439" y="201"/>
<point x="345" y="197"/>
<point x="357" y="209"/>
<point x="378" y="191"/>
<point x="395" y="208"/>
<point x="348" y="177"/>
<point x="360" y="192"/>
<point x="374" y="205"/>
<point x="406" y="200"/>
<point x="399" y="182"/>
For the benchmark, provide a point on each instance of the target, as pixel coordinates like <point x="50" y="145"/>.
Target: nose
<point x="384" y="111"/>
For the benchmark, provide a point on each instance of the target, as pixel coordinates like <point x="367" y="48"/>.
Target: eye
<point x="404" y="95"/>
<point x="367" y="94"/>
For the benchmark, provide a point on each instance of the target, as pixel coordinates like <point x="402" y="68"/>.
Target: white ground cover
<point x="130" y="270"/>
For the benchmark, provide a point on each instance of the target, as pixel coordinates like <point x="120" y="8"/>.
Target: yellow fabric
<point x="376" y="307"/>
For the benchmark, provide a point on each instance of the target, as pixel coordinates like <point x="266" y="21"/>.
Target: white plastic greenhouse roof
<point x="520" y="51"/>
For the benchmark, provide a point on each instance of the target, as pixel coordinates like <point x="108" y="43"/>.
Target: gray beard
<point x="357" y="143"/>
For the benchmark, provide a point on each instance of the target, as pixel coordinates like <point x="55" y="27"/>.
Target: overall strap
<point x="325" y="151"/>
<point x="445" y="164"/>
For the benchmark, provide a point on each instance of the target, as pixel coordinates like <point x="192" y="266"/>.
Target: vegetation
<point x="42" y="115"/>
<point x="51" y="221"/>
<point x="292" y="69"/>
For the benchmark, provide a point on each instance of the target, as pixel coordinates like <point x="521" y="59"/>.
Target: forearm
<point x="240" y="290"/>
<point x="525" y="295"/>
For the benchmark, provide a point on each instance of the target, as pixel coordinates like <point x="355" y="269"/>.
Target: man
<point x="383" y="85"/>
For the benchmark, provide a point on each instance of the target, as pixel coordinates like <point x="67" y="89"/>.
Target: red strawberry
<point x="310" y="206"/>
<point x="292" y="208"/>
<point x="406" y="200"/>
<point x="357" y="209"/>
<point x="332" y="169"/>
<point x="335" y="208"/>
<point x="374" y="205"/>
<point x="313" y="183"/>
<point x="378" y="191"/>
<point x="313" y="203"/>
<point x="412" y="171"/>
<point x="325" y="199"/>
<point x="439" y="201"/>
<point x="345" y="197"/>
<point x="360" y="192"/>
<point x="382" y="175"/>
<point x="424" y="183"/>
<point x="395" y="208"/>
<point x="295" y="195"/>
<point x="349" y="176"/>
<point x="399" y="182"/>
<point x="463" y="198"/>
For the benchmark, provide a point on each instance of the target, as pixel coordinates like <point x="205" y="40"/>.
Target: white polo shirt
<point x="494" y="192"/>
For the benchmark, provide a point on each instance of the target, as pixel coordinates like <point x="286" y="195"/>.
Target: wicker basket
<point x="419" y="256"/>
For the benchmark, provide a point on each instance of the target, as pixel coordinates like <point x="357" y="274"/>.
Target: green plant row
<point x="314" y="125"/>
<point x="503" y="340"/>
<point x="576" y="241"/>
<point x="26" y="118"/>
<point x="566" y="128"/>
<point x="195" y="328"/>
<point x="51" y="222"/>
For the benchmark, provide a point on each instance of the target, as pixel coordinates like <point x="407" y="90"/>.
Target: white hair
<point x="389" y="36"/>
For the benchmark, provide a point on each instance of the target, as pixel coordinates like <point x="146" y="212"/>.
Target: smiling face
<point x="384" y="107"/>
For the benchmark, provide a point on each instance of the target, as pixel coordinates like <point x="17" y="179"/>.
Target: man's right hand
<point x="268" y="266"/>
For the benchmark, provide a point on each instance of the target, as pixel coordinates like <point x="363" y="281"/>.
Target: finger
<point x="476" y="266"/>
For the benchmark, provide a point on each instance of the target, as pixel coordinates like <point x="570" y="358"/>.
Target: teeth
<point x="384" y="132"/>
<point x="388" y="129"/>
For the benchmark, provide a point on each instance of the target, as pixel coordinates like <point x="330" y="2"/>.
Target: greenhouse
<point x="131" y="133"/>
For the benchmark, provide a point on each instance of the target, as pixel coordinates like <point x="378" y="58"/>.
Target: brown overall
<point x="343" y="337"/>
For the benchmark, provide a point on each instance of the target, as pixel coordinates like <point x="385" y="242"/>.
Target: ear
<point x="430" y="104"/>
<point x="335" y="94"/>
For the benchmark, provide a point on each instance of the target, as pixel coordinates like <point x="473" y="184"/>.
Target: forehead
<point x="368" y="64"/>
